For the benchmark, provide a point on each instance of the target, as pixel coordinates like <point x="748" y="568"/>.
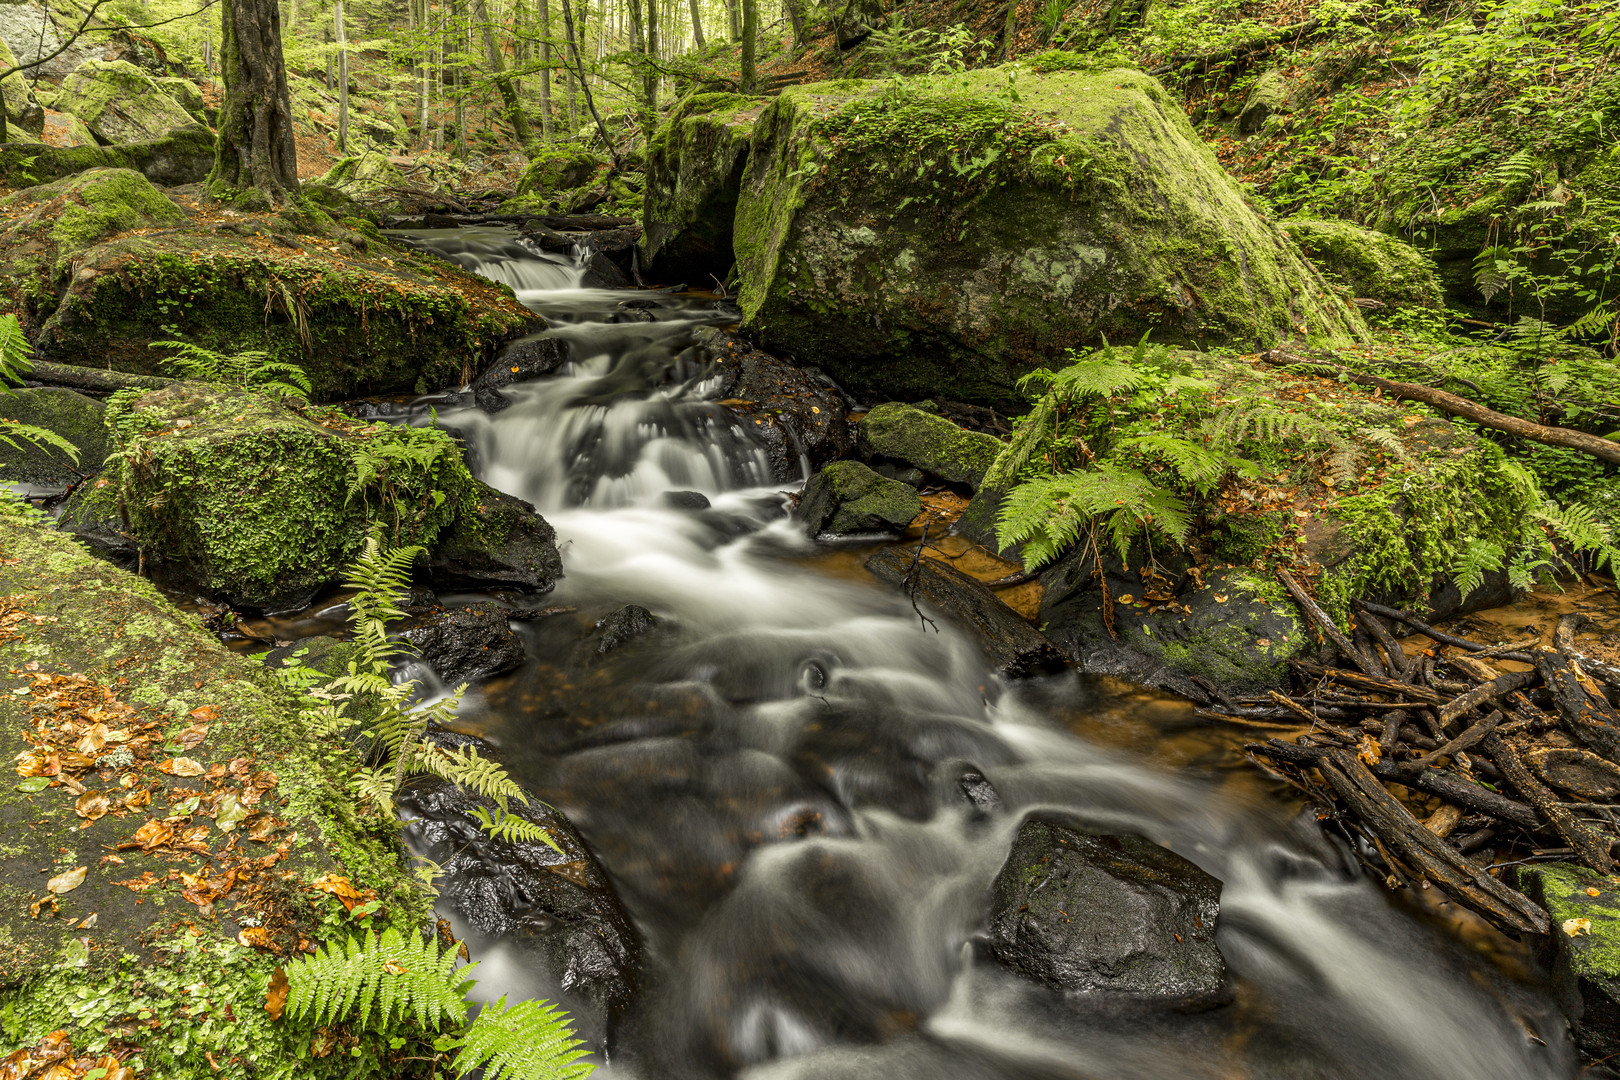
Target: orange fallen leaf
<point x="192" y="736"/>
<point x="204" y="712"/>
<point x="275" y="995"/>
<point x="92" y="805"/>
<point x="67" y="880"/>
<point x="181" y="766"/>
<point x="341" y="888"/>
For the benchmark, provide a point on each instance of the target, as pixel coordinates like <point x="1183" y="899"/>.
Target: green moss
<point x="74" y="417"/>
<point x="551" y="171"/>
<point x="1592" y="952"/>
<point x="694" y="168"/>
<point x="931" y="443"/>
<point x="1369" y="264"/>
<point x="1242" y="538"/>
<point x="120" y="102"/>
<point x="180" y="158"/>
<point x="848" y="497"/>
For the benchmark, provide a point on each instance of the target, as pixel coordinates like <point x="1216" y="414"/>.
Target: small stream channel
<point x="772" y="779"/>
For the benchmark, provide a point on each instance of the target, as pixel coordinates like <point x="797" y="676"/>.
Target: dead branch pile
<point x="1507" y="755"/>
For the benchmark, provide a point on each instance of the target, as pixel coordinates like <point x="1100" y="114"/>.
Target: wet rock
<point x="557" y="908"/>
<point x="73" y="416"/>
<point x="1583" y="949"/>
<point x="321" y="652"/>
<point x="625" y="624"/>
<point x="686" y="500"/>
<point x="928" y="442"/>
<point x="497" y="541"/>
<point x="1012" y="647"/>
<point x="1087" y="913"/>
<point x="798" y="414"/>
<point x="848" y="497"/>
<point x="526" y="358"/>
<point x="92" y="515"/>
<point x="694" y="172"/>
<point x="465" y="644"/>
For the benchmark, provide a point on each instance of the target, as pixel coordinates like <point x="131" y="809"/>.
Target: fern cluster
<point x="252" y="369"/>
<point x="15" y="362"/>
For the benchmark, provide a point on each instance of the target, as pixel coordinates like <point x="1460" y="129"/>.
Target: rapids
<point x="771" y="778"/>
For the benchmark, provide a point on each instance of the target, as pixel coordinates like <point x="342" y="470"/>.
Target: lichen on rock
<point x="120" y="103"/>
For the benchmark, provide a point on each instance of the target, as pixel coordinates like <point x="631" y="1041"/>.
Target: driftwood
<point x="1308" y="605"/>
<point x="1547" y="434"/>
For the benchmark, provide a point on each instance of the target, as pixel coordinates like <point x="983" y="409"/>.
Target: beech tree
<point x="256" y="149"/>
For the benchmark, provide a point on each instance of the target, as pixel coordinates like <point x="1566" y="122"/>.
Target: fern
<point x="529" y="1041"/>
<point x="1199" y="467"/>
<point x="252" y="368"/>
<point x="373" y="982"/>
<point x="1046" y="515"/>
<point x="515" y="830"/>
<point x="1474" y="562"/>
<point x="15" y="362"/>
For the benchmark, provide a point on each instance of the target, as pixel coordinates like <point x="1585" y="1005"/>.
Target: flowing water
<point x="772" y="777"/>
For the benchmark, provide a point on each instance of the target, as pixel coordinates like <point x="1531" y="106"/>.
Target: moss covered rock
<point x="361" y="172"/>
<point x="120" y="103"/>
<point x="78" y="419"/>
<point x="551" y="171"/>
<point x="66" y="130"/>
<point x="928" y="442"/>
<point x="357" y="314"/>
<point x="186" y="94"/>
<point x="940" y="242"/>
<point x="1268" y="97"/>
<point x="497" y="540"/>
<point x="1370" y="264"/>
<point x="78" y="211"/>
<point x="1583" y="949"/>
<point x="848" y="497"/>
<point x="694" y="174"/>
<point x="184" y="157"/>
<point x="92" y="637"/>
<point x="23" y="108"/>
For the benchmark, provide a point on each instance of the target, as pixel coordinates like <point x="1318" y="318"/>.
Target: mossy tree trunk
<point x="697" y="25"/>
<point x="503" y="82"/>
<point x="256" y="149"/>
<point x="750" y="31"/>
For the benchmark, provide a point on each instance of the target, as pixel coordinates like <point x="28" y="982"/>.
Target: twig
<point x="1326" y="624"/>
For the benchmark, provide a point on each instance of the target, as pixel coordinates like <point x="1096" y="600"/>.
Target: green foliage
<point x="375" y="982"/>
<point x="528" y="1041"/>
<point x="251" y="369"/>
<point x="15" y="362"/>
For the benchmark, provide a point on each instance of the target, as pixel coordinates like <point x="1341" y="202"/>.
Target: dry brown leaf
<point x="67" y="880"/>
<point x="192" y="736"/>
<point x="92" y="805"/>
<point x="137" y="799"/>
<point x="257" y="937"/>
<point x="34" y="908"/>
<point x="181" y="766"/>
<point x="153" y="834"/>
<point x="93" y="741"/>
<point x="275" y="996"/>
<point x="341" y="888"/>
<point x="204" y="713"/>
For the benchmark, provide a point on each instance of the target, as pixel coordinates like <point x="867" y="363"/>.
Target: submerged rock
<point x="557" y="908"/>
<point x="497" y="541"/>
<point x="798" y="415"/>
<point x="1101" y="215"/>
<point x="465" y="644"/>
<point x="929" y="442"/>
<point x="1087" y="913"/>
<point x="1583" y="949"/>
<point x="694" y="173"/>
<point x="848" y="497"/>
<point x="1010" y="645"/>
<point x="1372" y="265"/>
<point x="74" y="417"/>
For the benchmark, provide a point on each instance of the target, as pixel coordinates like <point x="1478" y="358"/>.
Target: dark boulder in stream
<point x="798" y="414"/>
<point x="465" y="643"/>
<point x="848" y="497"/>
<point x="1010" y="645"/>
<point x="556" y="907"/>
<point x="498" y="541"/>
<point x="1085" y="912"/>
<point x="526" y="358"/>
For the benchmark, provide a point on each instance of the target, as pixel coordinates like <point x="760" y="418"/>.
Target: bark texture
<point x="255" y="123"/>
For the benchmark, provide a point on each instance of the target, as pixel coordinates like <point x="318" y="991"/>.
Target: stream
<point x="773" y="777"/>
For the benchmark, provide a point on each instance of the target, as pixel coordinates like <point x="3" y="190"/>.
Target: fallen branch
<point x="1326" y="624"/>
<point x="95" y="380"/>
<point x="1547" y="434"/>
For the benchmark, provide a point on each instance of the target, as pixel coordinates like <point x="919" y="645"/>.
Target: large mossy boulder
<point x="23" y="108"/>
<point x="357" y="314"/>
<point x="361" y="172"/>
<point x="76" y="418"/>
<point x="694" y="174"/>
<point x="1372" y="265"/>
<point x="907" y="434"/>
<point x="184" y="157"/>
<point x="496" y="541"/>
<point x="261" y="504"/>
<point x="943" y="241"/>
<point x="120" y="103"/>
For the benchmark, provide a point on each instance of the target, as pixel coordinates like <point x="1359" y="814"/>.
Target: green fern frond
<point x="1047" y="514"/>
<point x="15" y="352"/>
<point x="471" y="771"/>
<point x="529" y="1041"/>
<point x="1015" y="455"/>
<point x="38" y="437"/>
<point x="1098" y="376"/>
<point x="250" y="368"/>
<point x="503" y="825"/>
<point x="1197" y="466"/>
<point x="373" y="982"/>
<point x="1473" y="562"/>
<point x="1386" y="440"/>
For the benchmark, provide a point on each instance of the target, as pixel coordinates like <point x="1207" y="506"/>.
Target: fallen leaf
<point x="92" y="805"/>
<point x="1594" y="892"/>
<point x="67" y="880"/>
<point x="275" y="995"/>
<point x="204" y="713"/>
<point x="94" y="740"/>
<point x="393" y="968"/>
<point x="341" y="888"/>
<point x="137" y="799"/>
<point x="153" y="834"/>
<point x="228" y="813"/>
<point x="88" y="922"/>
<point x="1577" y="927"/>
<point x="181" y="766"/>
<point x="257" y="937"/>
<point x="34" y="783"/>
<point x="34" y="908"/>
<point x="192" y="736"/>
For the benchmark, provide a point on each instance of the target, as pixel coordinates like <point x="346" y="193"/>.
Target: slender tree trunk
<point x="638" y="45"/>
<point x="545" y="70"/>
<point x="255" y="148"/>
<point x="574" y="74"/>
<point x="343" y="77"/>
<point x="649" y="87"/>
<point x="590" y="102"/>
<point x="795" y="13"/>
<point x="326" y="38"/>
<point x="750" y="31"/>
<point x="497" y="67"/>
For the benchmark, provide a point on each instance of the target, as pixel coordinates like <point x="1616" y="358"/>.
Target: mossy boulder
<point x="941" y="242"/>
<point x="186" y="94"/>
<point x="1370" y="264"/>
<point x="1583" y="949"/>
<point x="694" y="174"/>
<point x="66" y="130"/>
<point x="357" y="314"/>
<point x="120" y="103"/>
<point x="1268" y="97"/>
<point x="931" y="443"/>
<point x="78" y="211"/>
<point x="848" y="497"/>
<point x="361" y="172"/>
<point x="76" y="418"/>
<point x="551" y="171"/>
<point x="184" y="157"/>
<point x="96" y="643"/>
<point x="22" y="106"/>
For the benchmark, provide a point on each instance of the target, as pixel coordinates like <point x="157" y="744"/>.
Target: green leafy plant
<point x="253" y="369"/>
<point x="380" y="980"/>
<point x="16" y="361"/>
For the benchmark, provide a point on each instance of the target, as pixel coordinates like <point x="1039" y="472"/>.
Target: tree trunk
<point x="545" y="70"/>
<point x="343" y="76"/>
<point x="750" y="31"/>
<point x="638" y="45"/>
<point x="733" y="22"/>
<point x="795" y="13"/>
<point x="255" y="147"/>
<point x="697" y="25"/>
<point x="649" y="81"/>
<point x="497" y="67"/>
